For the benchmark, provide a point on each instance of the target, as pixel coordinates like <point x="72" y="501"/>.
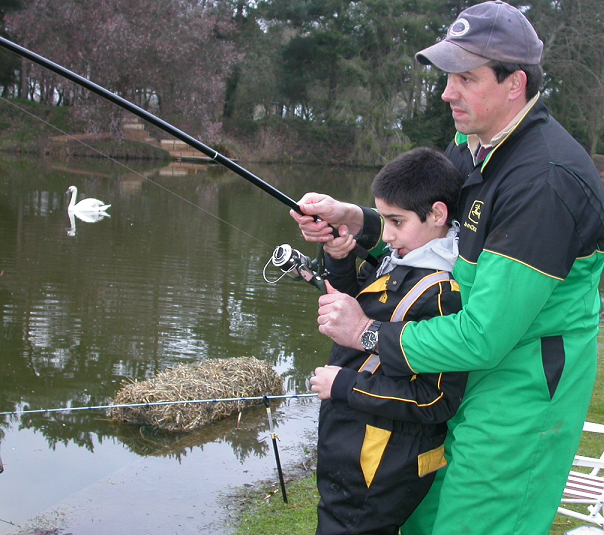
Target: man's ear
<point x="439" y="213"/>
<point x="518" y="81"/>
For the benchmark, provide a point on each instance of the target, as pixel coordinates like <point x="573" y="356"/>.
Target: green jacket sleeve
<point x="504" y="299"/>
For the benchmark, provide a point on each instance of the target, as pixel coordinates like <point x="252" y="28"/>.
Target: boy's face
<point x="403" y="229"/>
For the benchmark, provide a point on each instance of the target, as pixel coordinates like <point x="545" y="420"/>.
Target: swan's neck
<point x="72" y="202"/>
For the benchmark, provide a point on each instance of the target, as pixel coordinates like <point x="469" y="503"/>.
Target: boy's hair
<point x="417" y="179"/>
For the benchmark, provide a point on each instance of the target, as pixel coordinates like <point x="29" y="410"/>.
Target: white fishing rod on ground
<point x="155" y="404"/>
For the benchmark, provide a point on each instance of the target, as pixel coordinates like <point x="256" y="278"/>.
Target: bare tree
<point x="573" y="32"/>
<point x="175" y="54"/>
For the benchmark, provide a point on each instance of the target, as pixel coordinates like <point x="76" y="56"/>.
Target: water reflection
<point x="87" y="217"/>
<point x="242" y="433"/>
<point x="174" y="275"/>
<point x="242" y="436"/>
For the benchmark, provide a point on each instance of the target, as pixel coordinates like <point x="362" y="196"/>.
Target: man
<point x="531" y="243"/>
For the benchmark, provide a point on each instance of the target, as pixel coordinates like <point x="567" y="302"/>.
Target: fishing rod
<point x="182" y="136"/>
<point x="274" y="439"/>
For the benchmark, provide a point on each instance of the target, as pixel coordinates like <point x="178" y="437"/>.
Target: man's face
<point x="479" y="104"/>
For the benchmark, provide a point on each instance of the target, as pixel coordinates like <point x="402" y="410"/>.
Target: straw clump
<point x="210" y="379"/>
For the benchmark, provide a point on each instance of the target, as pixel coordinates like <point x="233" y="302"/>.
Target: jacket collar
<point x="534" y="111"/>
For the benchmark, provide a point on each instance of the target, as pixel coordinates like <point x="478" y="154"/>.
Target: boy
<point x="381" y="438"/>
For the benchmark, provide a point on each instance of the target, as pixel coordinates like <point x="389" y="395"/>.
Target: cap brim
<point x="449" y="57"/>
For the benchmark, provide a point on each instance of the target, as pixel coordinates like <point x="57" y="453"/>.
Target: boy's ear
<point x="440" y="213"/>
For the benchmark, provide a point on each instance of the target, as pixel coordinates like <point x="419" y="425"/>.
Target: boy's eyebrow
<point x="390" y="216"/>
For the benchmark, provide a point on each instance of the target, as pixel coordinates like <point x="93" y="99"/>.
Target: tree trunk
<point x="23" y="85"/>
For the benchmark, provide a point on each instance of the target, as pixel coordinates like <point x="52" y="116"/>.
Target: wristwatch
<point x="369" y="339"/>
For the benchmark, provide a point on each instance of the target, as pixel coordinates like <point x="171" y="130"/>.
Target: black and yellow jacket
<point x="381" y="438"/>
<point x="422" y="399"/>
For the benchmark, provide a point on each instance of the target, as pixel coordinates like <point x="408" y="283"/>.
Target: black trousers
<point x="354" y="502"/>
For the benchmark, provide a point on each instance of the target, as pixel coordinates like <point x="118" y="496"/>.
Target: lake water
<point x="174" y="275"/>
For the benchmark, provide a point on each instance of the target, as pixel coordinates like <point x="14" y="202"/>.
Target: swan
<point x="85" y="205"/>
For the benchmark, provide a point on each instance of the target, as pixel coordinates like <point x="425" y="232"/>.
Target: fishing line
<point x="155" y="404"/>
<point x="135" y="172"/>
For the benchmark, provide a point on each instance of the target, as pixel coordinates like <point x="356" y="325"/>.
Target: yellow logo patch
<point x="474" y="216"/>
<point x="475" y="211"/>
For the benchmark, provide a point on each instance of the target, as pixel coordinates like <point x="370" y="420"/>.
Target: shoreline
<point x="207" y="491"/>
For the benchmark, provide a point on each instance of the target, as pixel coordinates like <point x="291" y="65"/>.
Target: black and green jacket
<point x="531" y="258"/>
<point x="428" y="398"/>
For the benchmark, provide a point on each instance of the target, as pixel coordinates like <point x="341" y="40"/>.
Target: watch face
<point x="369" y="340"/>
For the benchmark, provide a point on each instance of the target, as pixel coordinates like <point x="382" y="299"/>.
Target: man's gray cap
<point x="482" y="33"/>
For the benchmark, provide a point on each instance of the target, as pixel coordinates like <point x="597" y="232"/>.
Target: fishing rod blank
<point x="154" y="404"/>
<point x="156" y="121"/>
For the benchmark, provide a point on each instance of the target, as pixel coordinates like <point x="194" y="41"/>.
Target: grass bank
<point x="27" y="127"/>
<point x="263" y="511"/>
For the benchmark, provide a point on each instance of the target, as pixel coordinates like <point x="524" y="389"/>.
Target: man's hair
<point x="417" y="179"/>
<point x="534" y="75"/>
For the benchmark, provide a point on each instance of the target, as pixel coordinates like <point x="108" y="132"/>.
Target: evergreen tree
<point x="9" y="63"/>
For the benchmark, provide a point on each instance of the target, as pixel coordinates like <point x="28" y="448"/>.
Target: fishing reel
<point x="298" y="266"/>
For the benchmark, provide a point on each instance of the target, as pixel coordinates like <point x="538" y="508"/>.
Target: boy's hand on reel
<point x="341" y="318"/>
<point x="340" y="247"/>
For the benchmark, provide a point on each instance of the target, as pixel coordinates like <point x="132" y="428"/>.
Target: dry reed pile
<point x="210" y="379"/>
